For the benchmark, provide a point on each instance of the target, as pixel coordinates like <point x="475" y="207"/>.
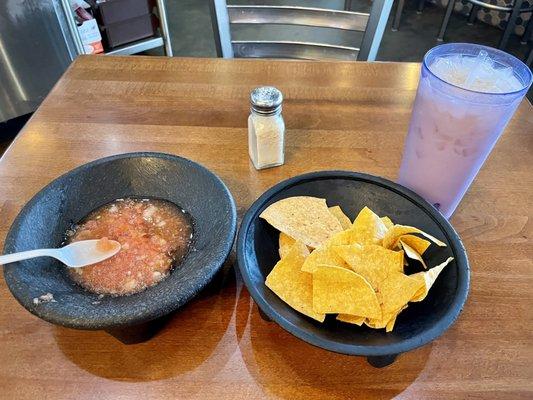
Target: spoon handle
<point x="24" y="255"/>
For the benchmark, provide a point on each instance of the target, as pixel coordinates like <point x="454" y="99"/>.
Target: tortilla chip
<point x="356" y="273"/>
<point x="351" y="319"/>
<point x="303" y="218"/>
<point x="393" y="235"/>
<point x="376" y="323"/>
<point x="390" y="325"/>
<point x="285" y="244"/>
<point x="383" y="268"/>
<point x="343" y="219"/>
<point x="417" y="244"/>
<point x="395" y="292"/>
<point x="292" y="285"/>
<point x="387" y="222"/>
<point x="368" y="228"/>
<point x="341" y="291"/>
<point x="371" y="261"/>
<point x="411" y="253"/>
<point x="323" y="256"/>
<point x="339" y="238"/>
<point x="426" y="279"/>
<point x="387" y="322"/>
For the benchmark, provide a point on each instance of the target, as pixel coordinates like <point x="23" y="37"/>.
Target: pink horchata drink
<point x="466" y="96"/>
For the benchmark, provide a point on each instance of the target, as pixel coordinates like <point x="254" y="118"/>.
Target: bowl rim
<point x="148" y="315"/>
<point x="416" y="341"/>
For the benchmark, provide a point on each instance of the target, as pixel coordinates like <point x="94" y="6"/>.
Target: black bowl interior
<point x="257" y="251"/>
<point x="44" y="220"/>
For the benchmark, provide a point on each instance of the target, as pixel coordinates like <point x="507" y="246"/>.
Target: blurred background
<point x="189" y="24"/>
<point x="39" y="39"/>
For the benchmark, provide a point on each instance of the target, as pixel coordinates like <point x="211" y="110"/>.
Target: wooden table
<point x="339" y="116"/>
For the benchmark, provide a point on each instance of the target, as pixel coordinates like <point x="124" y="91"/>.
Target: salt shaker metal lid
<point x="266" y="100"/>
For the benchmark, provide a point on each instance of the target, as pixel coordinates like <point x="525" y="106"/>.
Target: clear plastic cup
<point x="453" y="129"/>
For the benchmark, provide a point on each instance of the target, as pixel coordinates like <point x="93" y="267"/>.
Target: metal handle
<point x="72" y="27"/>
<point x="65" y="31"/>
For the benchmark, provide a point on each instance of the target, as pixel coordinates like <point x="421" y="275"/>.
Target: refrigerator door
<point x="35" y="49"/>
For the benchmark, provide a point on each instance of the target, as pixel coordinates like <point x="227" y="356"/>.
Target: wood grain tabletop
<point x="351" y="116"/>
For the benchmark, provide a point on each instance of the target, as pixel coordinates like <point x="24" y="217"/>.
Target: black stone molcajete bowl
<point x="420" y="323"/>
<point x="43" y="221"/>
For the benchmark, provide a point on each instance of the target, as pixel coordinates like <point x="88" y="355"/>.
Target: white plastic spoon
<point x="75" y="255"/>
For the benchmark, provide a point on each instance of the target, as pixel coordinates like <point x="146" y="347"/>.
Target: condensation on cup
<point x="466" y="96"/>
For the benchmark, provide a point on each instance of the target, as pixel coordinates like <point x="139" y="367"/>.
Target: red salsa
<point x="155" y="235"/>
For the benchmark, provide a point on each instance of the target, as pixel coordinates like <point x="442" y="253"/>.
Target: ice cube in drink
<point x="466" y="97"/>
<point x="479" y="73"/>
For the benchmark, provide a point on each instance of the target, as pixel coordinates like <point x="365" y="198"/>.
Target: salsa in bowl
<point x="72" y="198"/>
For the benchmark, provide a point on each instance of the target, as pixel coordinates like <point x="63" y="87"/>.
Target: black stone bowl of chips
<point x="44" y="220"/>
<point x="258" y="251"/>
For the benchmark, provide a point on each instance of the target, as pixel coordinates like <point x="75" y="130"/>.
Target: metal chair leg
<point x="473" y="14"/>
<point x="420" y="6"/>
<point x="445" y="20"/>
<point x="528" y="34"/>
<point x="398" y="15"/>
<point x="511" y="23"/>
<point x="165" y="33"/>
<point x="348" y="5"/>
<point x="221" y="28"/>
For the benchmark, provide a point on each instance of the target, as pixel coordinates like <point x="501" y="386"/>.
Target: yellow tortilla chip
<point x="351" y="319"/>
<point x="338" y="239"/>
<point x="371" y="261"/>
<point x="330" y="266"/>
<point x="368" y="228"/>
<point x="383" y="268"/>
<point x="387" y="222"/>
<point x="393" y="235"/>
<point x="411" y="253"/>
<point x="323" y="255"/>
<point x="378" y="323"/>
<point x="343" y="219"/>
<point x="341" y="291"/>
<point x="292" y="285"/>
<point x="303" y="218"/>
<point x="390" y="325"/>
<point x="285" y="244"/>
<point x="394" y="294"/>
<point x="374" y="323"/>
<point x="417" y="244"/>
<point x="387" y="322"/>
<point x="426" y="279"/>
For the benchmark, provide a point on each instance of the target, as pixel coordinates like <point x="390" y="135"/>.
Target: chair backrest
<point x="372" y="24"/>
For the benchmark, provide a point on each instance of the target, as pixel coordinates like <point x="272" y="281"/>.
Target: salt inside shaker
<point x="266" y="128"/>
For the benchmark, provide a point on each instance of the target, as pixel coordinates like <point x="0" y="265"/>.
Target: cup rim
<point x="491" y="49"/>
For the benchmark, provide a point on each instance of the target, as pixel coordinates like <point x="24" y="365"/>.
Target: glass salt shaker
<point x="266" y="128"/>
